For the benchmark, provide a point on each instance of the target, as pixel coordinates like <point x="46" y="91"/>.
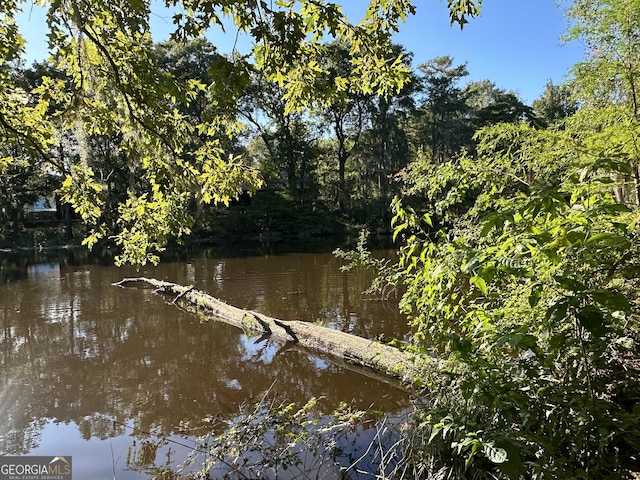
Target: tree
<point x="194" y="60"/>
<point x="554" y="104"/>
<point x="490" y="105"/>
<point x="606" y="82"/>
<point x="442" y="125"/>
<point x="609" y="74"/>
<point x="505" y="108"/>
<point x="383" y="151"/>
<point x="286" y="146"/>
<point x="22" y="183"/>
<point x="345" y="112"/>
<point x="119" y="86"/>
<point x="528" y="297"/>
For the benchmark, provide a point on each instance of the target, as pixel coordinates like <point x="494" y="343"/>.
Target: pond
<point x="90" y="370"/>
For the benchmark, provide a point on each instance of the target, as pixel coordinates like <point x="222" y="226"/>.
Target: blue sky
<point x="514" y="43"/>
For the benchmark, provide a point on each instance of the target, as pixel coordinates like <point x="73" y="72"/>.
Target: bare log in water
<point x="352" y="349"/>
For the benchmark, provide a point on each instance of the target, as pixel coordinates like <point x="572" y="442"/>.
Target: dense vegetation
<point x="517" y="225"/>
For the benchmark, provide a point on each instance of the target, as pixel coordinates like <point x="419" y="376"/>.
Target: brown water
<point x="89" y="370"/>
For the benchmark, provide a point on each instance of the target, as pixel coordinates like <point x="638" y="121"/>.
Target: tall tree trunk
<point x="68" y="225"/>
<point x="342" y="155"/>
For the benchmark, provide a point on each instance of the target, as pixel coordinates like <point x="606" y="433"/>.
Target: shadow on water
<point x="89" y="367"/>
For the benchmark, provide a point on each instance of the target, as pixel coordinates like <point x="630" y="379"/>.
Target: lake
<point x="91" y="370"/>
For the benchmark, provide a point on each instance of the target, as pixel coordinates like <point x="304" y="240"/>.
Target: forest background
<point x="323" y="172"/>
<point x="517" y="225"/>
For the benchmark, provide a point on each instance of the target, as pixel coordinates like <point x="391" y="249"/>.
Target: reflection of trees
<point x="76" y="352"/>
<point x="307" y="287"/>
<point x="12" y="269"/>
<point x="73" y="348"/>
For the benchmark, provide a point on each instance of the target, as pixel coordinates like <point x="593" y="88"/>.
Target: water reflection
<point x="77" y="352"/>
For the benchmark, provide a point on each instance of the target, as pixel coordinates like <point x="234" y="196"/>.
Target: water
<point x="92" y="371"/>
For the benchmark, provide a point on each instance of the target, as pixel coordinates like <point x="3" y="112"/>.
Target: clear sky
<point x="514" y="43"/>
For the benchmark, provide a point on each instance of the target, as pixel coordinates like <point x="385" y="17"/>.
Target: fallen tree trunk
<point x="352" y="349"/>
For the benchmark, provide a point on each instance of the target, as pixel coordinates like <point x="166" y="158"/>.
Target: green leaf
<point x="570" y="284"/>
<point x="494" y="454"/>
<point x="613" y="301"/>
<point x="480" y="283"/>
<point x="513" y="467"/>
<point x="535" y="295"/>
<point x="614" y="208"/>
<point x="492" y="220"/>
<point x="472" y="263"/>
<point x="609" y="240"/>
<point x="592" y="319"/>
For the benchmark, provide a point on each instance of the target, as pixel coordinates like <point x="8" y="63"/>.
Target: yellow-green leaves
<point x="531" y="281"/>
<point x="221" y="181"/>
<point x="83" y="192"/>
<point x="4" y="163"/>
<point x="293" y="55"/>
<point x="141" y="137"/>
<point x="459" y="10"/>
<point x="147" y="222"/>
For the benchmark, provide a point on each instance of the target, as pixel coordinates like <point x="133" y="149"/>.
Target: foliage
<point x="529" y="298"/>
<point x="113" y="83"/>
<point x="608" y="75"/>
<point x="448" y="115"/>
<point x="22" y="184"/>
<point x="521" y="275"/>
<point x="555" y="103"/>
<point x="284" y="441"/>
<point x="346" y="114"/>
<point x="284" y="144"/>
<point x="270" y="216"/>
<point x="459" y="10"/>
<point x="442" y="117"/>
<point x="274" y="441"/>
<point x="383" y="150"/>
<point x="387" y="277"/>
<point x="286" y="430"/>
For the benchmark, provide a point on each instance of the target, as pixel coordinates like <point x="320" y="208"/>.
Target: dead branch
<point x="345" y="347"/>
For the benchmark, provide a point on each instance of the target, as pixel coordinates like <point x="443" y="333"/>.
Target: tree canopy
<point x="113" y="82"/>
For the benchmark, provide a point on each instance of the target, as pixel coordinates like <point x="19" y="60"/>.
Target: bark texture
<point x="345" y="347"/>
